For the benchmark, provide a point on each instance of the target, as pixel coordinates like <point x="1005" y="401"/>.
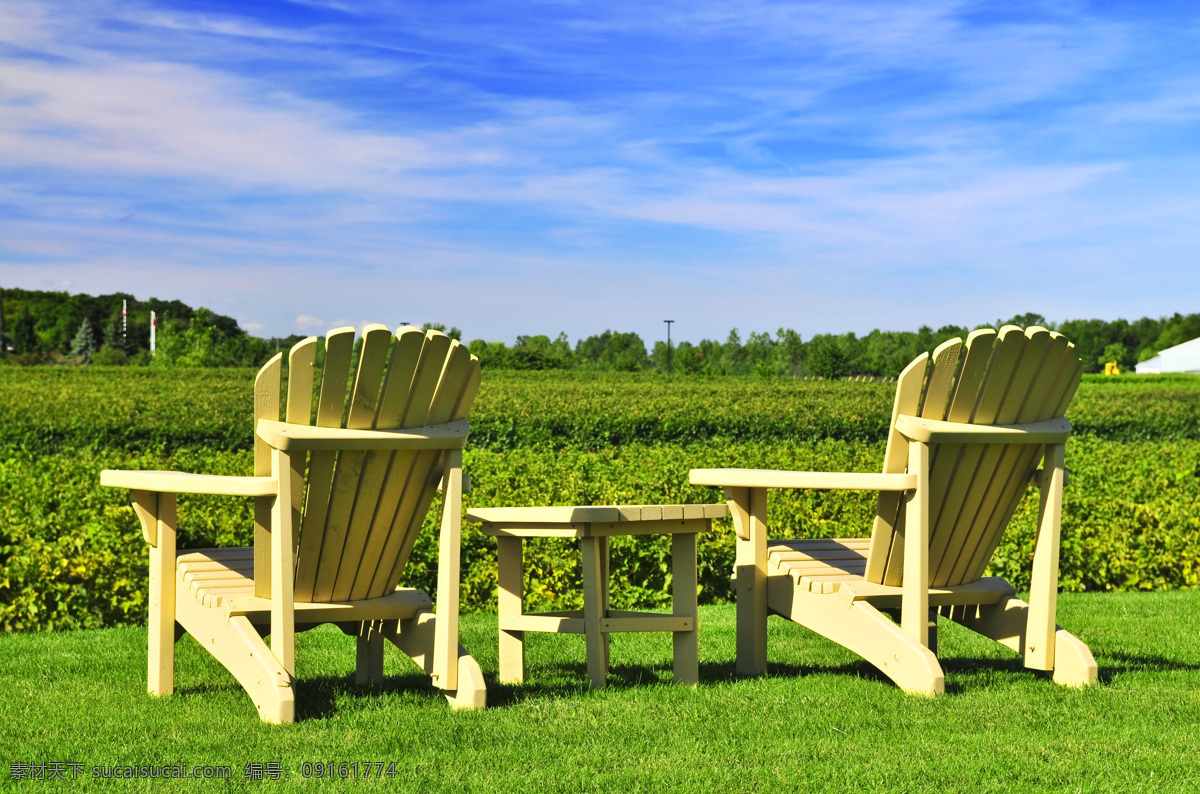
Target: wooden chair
<point x="338" y="506"/>
<point x="967" y="435"/>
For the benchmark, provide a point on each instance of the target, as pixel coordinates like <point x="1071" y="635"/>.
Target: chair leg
<point x="368" y="668"/>
<point x="237" y="645"/>
<point x="416" y="638"/>
<point x="1007" y="622"/>
<point x="932" y="642"/>
<point x="863" y="629"/>
<point x="160" y="678"/>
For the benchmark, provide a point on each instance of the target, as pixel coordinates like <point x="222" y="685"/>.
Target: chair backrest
<point x="1010" y="377"/>
<point x="358" y="512"/>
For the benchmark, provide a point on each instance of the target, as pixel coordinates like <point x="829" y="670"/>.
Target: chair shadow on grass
<point x="323" y="696"/>
<point x="1116" y="663"/>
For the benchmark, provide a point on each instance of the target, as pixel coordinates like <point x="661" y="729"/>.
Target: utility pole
<point x="668" y="322"/>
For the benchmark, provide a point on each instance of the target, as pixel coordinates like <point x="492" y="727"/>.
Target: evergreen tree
<point x="84" y="343"/>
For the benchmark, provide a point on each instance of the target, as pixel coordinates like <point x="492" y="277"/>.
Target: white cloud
<point x="820" y="165"/>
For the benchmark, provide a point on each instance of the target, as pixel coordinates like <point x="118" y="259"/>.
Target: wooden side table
<point x="593" y="526"/>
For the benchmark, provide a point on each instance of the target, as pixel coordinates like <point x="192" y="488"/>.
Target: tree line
<point x="55" y="327"/>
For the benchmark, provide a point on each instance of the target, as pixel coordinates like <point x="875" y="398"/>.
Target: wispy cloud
<point x="529" y="167"/>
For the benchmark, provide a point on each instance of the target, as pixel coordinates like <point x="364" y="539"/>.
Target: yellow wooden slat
<point x="647" y="622"/>
<point x="886" y="560"/>
<point x="938" y="395"/>
<point x="858" y="544"/>
<point x="459" y="377"/>
<point x="980" y="344"/>
<point x="1040" y="403"/>
<point x="410" y="471"/>
<point x="821" y="555"/>
<point x="976" y="463"/>
<point x="948" y="483"/>
<point x="368" y="377"/>
<point x="833" y="564"/>
<point x="887" y="508"/>
<point x="339" y="346"/>
<point x="301" y="377"/>
<point x="356" y="563"/>
<point x="939" y="389"/>
<point x="347" y="475"/>
<point x="1059" y="376"/>
<point x="385" y="474"/>
<point x="997" y="462"/>
<point x="266" y="406"/>
<point x="406" y="351"/>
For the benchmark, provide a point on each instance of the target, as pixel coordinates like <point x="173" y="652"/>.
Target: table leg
<point x="593" y="609"/>
<point x="685" y="604"/>
<point x="605" y="559"/>
<point x="510" y="569"/>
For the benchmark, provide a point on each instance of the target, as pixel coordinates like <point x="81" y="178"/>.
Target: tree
<point x="1027" y="319"/>
<point x="733" y="355"/>
<point x="84" y="343"/>
<point x="625" y="353"/>
<point x="761" y="357"/>
<point x="453" y="333"/>
<point x="24" y="332"/>
<point x="1114" y="352"/>
<point x="533" y="352"/>
<point x="826" y="359"/>
<point x="791" y="351"/>
<point x="687" y="359"/>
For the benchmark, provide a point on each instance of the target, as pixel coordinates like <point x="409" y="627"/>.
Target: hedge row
<point x="46" y="410"/>
<point x="71" y="553"/>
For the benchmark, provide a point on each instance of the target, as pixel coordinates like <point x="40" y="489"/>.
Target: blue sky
<point x="534" y="167"/>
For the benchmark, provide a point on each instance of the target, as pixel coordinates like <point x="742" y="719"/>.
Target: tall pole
<point x="124" y="320"/>
<point x="668" y="322"/>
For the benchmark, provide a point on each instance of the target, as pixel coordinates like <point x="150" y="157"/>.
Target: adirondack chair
<point x="968" y="432"/>
<point x="338" y="506"/>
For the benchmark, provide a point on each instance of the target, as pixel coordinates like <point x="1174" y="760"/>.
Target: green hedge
<point x="47" y="409"/>
<point x="71" y="553"/>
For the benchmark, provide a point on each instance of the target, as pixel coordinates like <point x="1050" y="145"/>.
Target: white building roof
<point x="1181" y="358"/>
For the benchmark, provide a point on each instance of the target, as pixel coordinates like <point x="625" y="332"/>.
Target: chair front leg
<point x="445" y="652"/>
<point x="157" y="514"/>
<point x="914" y="612"/>
<point x="749" y="509"/>
<point x="1043" y="586"/>
<point x="283" y="569"/>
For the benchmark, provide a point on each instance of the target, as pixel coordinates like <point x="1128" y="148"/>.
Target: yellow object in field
<point x="1111" y="368"/>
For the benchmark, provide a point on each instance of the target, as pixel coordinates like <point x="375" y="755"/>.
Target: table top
<point x="563" y="515"/>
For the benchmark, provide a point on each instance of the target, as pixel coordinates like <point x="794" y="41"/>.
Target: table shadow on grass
<point x="569" y="680"/>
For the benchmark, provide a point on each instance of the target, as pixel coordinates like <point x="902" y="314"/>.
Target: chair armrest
<point x="183" y="482"/>
<point x="817" y="480"/>
<point x="933" y="431"/>
<point x="292" y="437"/>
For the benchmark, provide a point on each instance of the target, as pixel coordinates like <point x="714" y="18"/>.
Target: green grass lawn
<point x="821" y="720"/>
